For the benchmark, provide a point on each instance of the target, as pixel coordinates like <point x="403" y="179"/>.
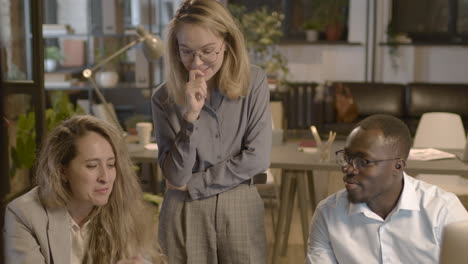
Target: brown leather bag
<point x="346" y="109"/>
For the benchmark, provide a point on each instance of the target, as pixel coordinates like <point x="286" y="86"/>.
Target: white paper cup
<point x="144" y="132"/>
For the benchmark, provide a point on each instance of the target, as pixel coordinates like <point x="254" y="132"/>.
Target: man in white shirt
<point x="383" y="215"/>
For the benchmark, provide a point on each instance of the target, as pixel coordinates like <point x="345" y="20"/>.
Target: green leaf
<point x="262" y="30"/>
<point x="153" y="198"/>
<point x="24" y="153"/>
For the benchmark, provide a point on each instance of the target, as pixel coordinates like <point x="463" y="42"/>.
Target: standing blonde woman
<point x="87" y="207"/>
<point x="213" y="128"/>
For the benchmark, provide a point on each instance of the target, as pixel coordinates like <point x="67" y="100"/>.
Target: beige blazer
<point x="35" y="234"/>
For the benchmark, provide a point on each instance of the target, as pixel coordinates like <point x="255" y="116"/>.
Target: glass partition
<point x="16" y="40"/>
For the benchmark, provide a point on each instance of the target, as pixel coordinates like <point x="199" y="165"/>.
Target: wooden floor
<point x="295" y="251"/>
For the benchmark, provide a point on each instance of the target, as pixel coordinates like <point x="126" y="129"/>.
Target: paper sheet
<point x="429" y="154"/>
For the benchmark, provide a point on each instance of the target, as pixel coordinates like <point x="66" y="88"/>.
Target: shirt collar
<point x="75" y="227"/>
<point x="408" y="200"/>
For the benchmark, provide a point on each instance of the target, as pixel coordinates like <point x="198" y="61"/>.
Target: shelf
<point x="87" y="87"/>
<point x="71" y="88"/>
<point x="320" y="43"/>
<point x="122" y="35"/>
<point x="49" y="36"/>
<point x="72" y="70"/>
<point x="465" y="43"/>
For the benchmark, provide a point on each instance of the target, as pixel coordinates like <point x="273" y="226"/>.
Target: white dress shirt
<point x="79" y="238"/>
<point x="344" y="232"/>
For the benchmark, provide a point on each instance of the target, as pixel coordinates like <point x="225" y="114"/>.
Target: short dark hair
<point x="394" y="130"/>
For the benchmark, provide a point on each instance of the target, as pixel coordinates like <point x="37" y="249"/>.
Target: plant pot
<point x="334" y="32"/>
<point x="311" y="35"/>
<point x="50" y="65"/>
<point x="107" y="79"/>
<point x="273" y="83"/>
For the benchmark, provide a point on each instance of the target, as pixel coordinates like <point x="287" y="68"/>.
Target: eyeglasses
<point x="358" y="163"/>
<point x="209" y="55"/>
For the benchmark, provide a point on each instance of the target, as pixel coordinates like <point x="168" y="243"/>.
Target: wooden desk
<point x="139" y="154"/>
<point x="297" y="174"/>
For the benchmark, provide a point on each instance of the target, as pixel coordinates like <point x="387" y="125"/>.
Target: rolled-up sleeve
<point x="176" y="138"/>
<point x="254" y="156"/>
<point x="223" y="148"/>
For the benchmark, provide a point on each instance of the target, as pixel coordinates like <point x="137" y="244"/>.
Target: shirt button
<point x="217" y="136"/>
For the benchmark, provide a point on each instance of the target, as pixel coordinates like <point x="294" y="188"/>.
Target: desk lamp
<point x="153" y="49"/>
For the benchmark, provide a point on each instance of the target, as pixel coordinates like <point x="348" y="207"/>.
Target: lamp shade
<point x="440" y="130"/>
<point x="153" y="47"/>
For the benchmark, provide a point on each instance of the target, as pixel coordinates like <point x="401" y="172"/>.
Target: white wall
<point x="307" y="62"/>
<point x="318" y="63"/>
<point x="73" y="13"/>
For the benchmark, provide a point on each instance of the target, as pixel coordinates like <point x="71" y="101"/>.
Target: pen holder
<point x="326" y="148"/>
<point x="325" y="152"/>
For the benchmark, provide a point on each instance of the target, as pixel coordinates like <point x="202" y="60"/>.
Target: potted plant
<point x="23" y="153"/>
<point x="394" y="38"/>
<point x="52" y="56"/>
<point x="312" y="27"/>
<point x="108" y="76"/>
<point x="262" y="31"/>
<point x="332" y="15"/>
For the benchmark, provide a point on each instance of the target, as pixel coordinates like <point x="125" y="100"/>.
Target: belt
<point x="260" y="178"/>
<point x="249" y="181"/>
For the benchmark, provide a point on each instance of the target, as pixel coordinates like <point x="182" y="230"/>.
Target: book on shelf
<point x="56" y="29"/>
<point x="57" y="76"/>
<point x="300" y="107"/>
<point x="57" y="80"/>
<point x="106" y="17"/>
<point x="292" y="105"/>
<point x="56" y="84"/>
<point x="309" y="106"/>
<point x="74" y="53"/>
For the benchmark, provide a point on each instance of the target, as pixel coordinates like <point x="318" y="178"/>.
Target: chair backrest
<point x="440" y="130"/>
<point x="455" y="242"/>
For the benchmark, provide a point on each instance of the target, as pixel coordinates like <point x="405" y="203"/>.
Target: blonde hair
<point x="234" y="75"/>
<point x="124" y="227"/>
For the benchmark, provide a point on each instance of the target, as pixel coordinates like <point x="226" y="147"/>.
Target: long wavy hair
<point x="234" y="75"/>
<point x="125" y="226"/>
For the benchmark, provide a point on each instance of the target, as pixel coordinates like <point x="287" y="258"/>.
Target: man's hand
<point x="195" y="95"/>
<point x="172" y="187"/>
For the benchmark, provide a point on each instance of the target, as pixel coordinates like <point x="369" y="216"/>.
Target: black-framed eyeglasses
<point x="358" y="163"/>
<point x="207" y="56"/>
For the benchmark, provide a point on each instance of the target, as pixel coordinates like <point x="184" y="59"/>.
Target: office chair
<point x="440" y="130"/>
<point x="445" y="131"/>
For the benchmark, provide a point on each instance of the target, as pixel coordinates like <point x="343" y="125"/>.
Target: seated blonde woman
<point x="88" y="206"/>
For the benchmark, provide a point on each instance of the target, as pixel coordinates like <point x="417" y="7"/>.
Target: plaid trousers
<point x="222" y="229"/>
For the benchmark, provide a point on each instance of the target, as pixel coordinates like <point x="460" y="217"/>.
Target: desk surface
<point x="287" y="156"/>
<point x="139" y="154"/>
